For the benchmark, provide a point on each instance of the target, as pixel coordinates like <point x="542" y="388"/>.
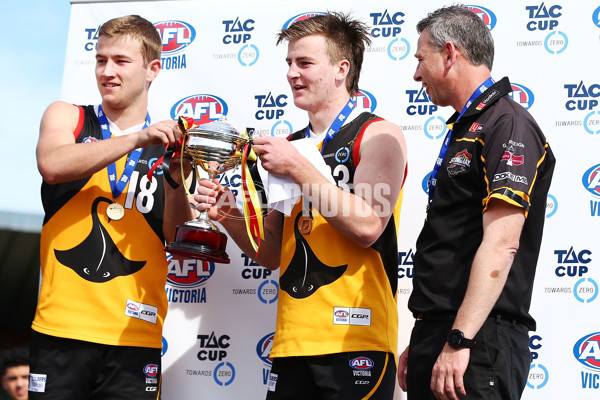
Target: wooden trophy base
<point x="199" y="243"/>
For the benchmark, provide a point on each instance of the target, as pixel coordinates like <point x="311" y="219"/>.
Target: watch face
<point x="455" y="338"/>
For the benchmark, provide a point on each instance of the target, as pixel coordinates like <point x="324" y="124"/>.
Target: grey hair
<point x="463" y="28"/>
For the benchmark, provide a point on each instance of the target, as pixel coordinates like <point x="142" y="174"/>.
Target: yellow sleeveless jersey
<point x="103" y="280"/>
<point x="336" y="296"/>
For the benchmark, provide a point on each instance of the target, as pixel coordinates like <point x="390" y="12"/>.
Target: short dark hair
<point x="14" y="357"/>
<point x="462" y="27"/>
<point x="138" y="28"/>
<point x="346" y="38"/>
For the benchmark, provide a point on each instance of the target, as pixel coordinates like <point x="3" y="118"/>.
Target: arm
<point x="502" y="226"/>
<point x="60" y="159"/>
<point x="402" y="369"/>
<point x="178" y="205"/>
<point x="221" y="204"/>
<point x="361" y="215"/>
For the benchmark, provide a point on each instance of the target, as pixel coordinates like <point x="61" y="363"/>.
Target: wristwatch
<point x="457" y="340"/>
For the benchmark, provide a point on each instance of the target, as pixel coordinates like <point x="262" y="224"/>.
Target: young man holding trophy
<point x="336" y="329"/>
<point x="96" y="336"/>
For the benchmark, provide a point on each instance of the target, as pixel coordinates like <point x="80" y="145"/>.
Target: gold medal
<point x="305" y="224"/>
<point x="115" y="211"/>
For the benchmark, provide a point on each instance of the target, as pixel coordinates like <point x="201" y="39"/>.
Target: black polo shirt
<point x="497" y="150"/>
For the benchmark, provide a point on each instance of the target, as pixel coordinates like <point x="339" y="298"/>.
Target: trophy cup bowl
<point x="216" y="147"/>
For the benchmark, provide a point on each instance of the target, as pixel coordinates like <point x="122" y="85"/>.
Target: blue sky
<point x="33" y="45"/>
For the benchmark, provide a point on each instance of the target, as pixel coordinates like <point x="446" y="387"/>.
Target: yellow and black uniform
<point x="337" y="297"/>
<point x="498" y="151"/>
<point x="103" y="280"/>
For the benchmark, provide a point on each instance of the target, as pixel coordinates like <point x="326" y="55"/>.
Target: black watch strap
<point x="456" y="339"/>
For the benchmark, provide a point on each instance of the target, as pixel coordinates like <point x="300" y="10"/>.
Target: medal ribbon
<point x="438" y="163"/>
<point x="117" y="186"/>
<point x="335" y="125"/>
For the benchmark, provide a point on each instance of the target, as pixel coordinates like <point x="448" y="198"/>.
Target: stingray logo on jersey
<point x="202" y="108"/>
<point x="364" y="101"/>
<point x="185" y="278"/>
<point x="270" y="107"/>
<point x="91" y="38"/>
<point x="522" y="95"/>
<point x="301" y="17"/>
<point x="543" y="17"/>
<point x="587" y="351"/>
<point x="420" y="103"/>
<point x="175" y="36"/>
<point x="486" y="15"/>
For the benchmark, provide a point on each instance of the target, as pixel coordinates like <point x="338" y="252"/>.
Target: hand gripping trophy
<point x="216" y="147"/>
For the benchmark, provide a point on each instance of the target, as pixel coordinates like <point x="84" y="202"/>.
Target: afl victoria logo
<point x="591" y="180"/>
<point x="175" y="35"/>
<point x="587" y="351"/>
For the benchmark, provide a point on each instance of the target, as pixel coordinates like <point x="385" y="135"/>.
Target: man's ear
<point x="152" y="70"/>
<point x="451" y="53"/>
<point x="343" y="69"/>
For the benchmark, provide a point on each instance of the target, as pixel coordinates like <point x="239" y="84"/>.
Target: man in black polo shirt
<point x="477" y="253"/>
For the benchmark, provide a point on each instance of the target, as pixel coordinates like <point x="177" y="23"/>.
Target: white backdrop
<point x="221" y="58"/>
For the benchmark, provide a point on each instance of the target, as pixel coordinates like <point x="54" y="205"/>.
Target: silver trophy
<point x="216" y="147"/>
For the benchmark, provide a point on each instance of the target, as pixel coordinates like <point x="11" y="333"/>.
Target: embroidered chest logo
<point x="510" y="158"/>
<point x="460" y="163"/>
<point x="306" y="273"/>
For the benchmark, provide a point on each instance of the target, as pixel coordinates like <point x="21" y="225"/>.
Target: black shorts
<point x="347" y="376"/>
<point x="72" y="369"/>
<point x="498" y="365"/>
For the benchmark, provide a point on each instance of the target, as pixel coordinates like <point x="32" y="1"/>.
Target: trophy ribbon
<point x="253" y="215"/>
